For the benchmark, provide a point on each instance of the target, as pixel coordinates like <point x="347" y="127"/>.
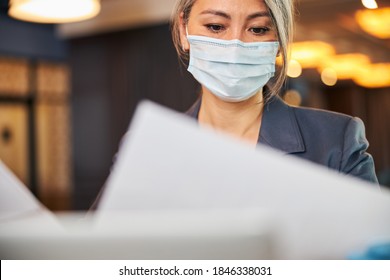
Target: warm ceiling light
<point x="374" y="76"/>
<point x="293" y="97"/>
<point x="346" y="65"/>
<point x="375" y="22"/>
<point x="310" y="54"/>
<point x="370" y="4"/>
<point x="329" y="76"/>
<point x="294" y="69"/>
<point x="53" y="11"/>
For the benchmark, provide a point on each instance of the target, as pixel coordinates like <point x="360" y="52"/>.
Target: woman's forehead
<point x="244" y="7"/>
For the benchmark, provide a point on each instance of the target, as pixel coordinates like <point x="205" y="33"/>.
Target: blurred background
<point x="68" y="89"/>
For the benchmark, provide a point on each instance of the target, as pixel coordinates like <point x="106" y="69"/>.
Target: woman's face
<point x="248" y="21"/>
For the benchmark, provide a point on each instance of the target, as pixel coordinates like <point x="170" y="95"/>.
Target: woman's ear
<point x="183" y="33"/>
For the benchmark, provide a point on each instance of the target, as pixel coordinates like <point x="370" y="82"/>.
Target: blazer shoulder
<point x="335" y="140"/>
<point x="321" y="115"/>
<point x="324" y="121"/>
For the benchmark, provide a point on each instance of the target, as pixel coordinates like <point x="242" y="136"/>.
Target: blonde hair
<point x="281" y="12"/>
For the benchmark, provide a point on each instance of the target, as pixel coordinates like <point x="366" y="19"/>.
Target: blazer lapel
<point x="279" y="128"/>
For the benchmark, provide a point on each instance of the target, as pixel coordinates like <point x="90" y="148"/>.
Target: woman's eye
<point x="215" y="27"/>
<point x="259" y="30"/>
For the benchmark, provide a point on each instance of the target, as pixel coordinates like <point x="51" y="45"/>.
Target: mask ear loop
<point x="184" y="50"/>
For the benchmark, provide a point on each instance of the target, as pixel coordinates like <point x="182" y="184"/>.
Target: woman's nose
<point x="235" y="34"/>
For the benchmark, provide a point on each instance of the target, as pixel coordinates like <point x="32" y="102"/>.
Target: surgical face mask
<point x="232" y="70"/>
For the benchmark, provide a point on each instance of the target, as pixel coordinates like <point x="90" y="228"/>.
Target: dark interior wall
<point x="111" y="73"/>
<point x="30" y="40"/>
<point x="378" y="129"/>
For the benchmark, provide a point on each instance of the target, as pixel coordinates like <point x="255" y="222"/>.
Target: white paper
<point x="16" y="200"/>
<point x="144" y="235"/>
<point x="168" y="162"/>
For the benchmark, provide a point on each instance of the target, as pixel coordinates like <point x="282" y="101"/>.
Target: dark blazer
<point x="331" y="139"/>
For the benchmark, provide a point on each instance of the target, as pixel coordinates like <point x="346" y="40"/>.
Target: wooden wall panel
<point x="14" y="77"/>
<point x="53" y="154"/>
<point x="35" y="127"/>
<point x="14" y="139"/>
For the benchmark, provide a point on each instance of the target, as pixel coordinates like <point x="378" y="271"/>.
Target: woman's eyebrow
<point x="258" y="14"/>
<point x="227" y="16"/>
<point x="216" y="13"/>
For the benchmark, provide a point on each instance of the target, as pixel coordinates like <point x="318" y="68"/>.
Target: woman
<point x="231" y="48"/>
